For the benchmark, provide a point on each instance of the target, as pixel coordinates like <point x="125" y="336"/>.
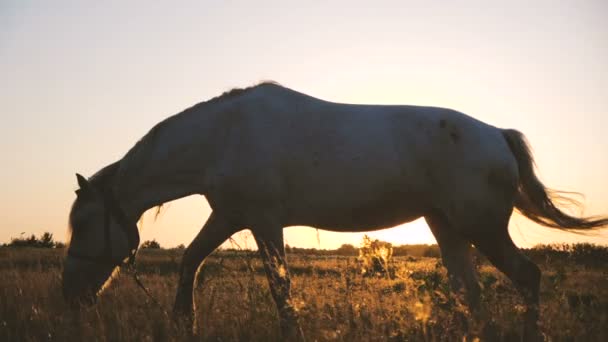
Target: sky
<point x="82" y="81"/>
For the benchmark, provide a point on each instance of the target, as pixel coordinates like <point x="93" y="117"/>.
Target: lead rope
<point x="130" y="263"/>
<point x="131" y="267"/>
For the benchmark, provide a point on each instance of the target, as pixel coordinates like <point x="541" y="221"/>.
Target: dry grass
<point x="334" y="301"/>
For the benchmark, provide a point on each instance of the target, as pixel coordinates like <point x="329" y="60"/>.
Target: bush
<point x="150" y="244"/>
<point x="375" y="256"/>
<point x="346" y="250"/>
<point x="45" y="241"/>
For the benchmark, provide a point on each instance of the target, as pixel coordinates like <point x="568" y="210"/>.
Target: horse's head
<point x="101" y="240"/>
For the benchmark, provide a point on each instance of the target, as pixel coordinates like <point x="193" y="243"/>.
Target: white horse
<point x="267" y="157"/>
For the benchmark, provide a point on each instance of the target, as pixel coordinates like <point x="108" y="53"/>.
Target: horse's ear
<point x="83" y="183"/>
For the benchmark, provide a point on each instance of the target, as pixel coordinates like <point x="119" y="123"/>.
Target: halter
<point x="130" y="230"/>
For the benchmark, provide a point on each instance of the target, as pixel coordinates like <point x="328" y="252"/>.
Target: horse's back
<point x="323" y="161"/>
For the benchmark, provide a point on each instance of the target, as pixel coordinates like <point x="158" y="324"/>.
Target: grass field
<point x="334" y="301"/>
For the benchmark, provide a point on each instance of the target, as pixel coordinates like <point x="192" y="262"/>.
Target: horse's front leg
<point x="270" y="244"/>
<point x="215" y="231"/>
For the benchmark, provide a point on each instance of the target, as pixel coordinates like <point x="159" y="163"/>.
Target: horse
<point x="268" y="157"/>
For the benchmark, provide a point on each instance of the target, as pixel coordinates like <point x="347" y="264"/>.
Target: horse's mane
<point x="149" y="138"/>
<point x="236" y="91"/>
<point x="229" y="94"/>
<point x="103" y="176"/>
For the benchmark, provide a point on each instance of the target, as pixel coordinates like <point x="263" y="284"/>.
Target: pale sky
<point x="82" y="81"/>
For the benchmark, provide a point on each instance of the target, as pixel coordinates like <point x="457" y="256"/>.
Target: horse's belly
<point x="358" y="215"/>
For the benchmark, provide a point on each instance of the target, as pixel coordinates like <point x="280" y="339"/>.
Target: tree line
<point x="44" y="241"/>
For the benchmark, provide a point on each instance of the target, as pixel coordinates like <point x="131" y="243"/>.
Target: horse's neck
<point x="150" y="192"/>
<point x="136" y="202"/>
<point x="164" y="166"/>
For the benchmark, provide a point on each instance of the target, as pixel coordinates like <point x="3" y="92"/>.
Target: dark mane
<point x="228" y="94"/>
<point x="149" y="138"/>
<point x="103" y="176"/>
<point x="237" y="91"/>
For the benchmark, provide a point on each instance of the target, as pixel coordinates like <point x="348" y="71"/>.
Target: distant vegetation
<point x="373" y="250"/>
<point x="150" y="244"/>
<point x="44" y="241"/>
<point x="419" y="250"/>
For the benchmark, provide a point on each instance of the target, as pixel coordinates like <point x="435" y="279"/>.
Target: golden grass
<point x="334" y="301"/>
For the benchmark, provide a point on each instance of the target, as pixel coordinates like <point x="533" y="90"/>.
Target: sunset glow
<point x="82" y="84"/>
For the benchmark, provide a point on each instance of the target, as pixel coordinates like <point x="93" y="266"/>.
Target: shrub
<point x="150" y="244"/>
<point x="45" y="241"/>
<point x="346" y="250"/>
<point x="375" y="256"/>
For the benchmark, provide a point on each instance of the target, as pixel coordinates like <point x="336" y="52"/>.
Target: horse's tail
<point x="537" y="202"/>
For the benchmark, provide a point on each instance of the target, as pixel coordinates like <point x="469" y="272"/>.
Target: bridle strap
<point x="129" y="228"/>
<point x="113" y="209"/>
<point x="133" y="238"/>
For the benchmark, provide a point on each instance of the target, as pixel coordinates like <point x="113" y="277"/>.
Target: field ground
<point x="334" y="301"/>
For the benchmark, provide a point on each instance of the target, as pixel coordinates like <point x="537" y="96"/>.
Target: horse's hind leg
<point x="456" y="256"/>
<point x="270" y="245"/>
<point x="496" y="244"/>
